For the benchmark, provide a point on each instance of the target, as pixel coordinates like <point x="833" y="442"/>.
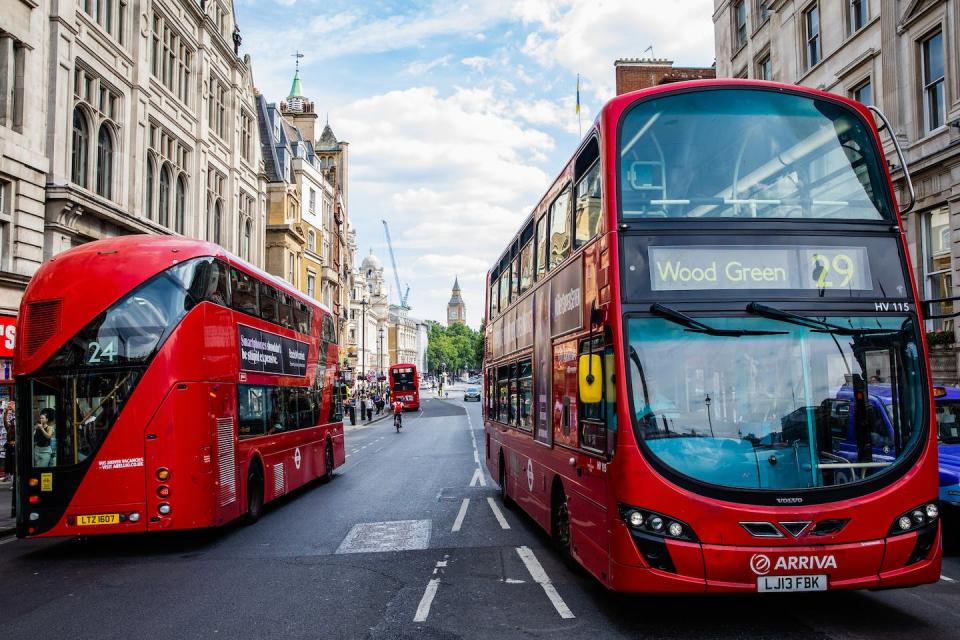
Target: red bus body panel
<point x="182" y="414"/>
<point x="595" y="485"/>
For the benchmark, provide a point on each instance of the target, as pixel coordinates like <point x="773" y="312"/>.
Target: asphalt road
<point x="409" y="541"/>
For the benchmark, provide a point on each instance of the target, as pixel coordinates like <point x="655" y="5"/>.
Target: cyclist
<point x="397" y="414"/>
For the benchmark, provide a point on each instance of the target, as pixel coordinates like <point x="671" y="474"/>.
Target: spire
<point x="296" y="90"/>
<point x="456" y="283"/>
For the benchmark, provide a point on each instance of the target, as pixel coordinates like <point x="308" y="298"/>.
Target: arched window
<point x="105" y="162"/>
<point x="312" y="240"/>
<point x="181" y="204"/>
<point x="217" y="220"/>
<point x="148" y="188"/>
<point x="163" y="208"/>
<point x="81" y="142"/>
<point x="247" y="232"/>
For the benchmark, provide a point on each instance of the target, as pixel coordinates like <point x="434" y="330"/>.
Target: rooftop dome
<point x="371" y="262"/>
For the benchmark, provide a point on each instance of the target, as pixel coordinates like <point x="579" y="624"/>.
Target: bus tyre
<point x="327" y="464"/>
<point x="504" y="495"/>
<point x="560" y="520"/>
<point x="254" y="493"/>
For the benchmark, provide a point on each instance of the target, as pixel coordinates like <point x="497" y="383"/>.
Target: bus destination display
<point x="693" y="268"/>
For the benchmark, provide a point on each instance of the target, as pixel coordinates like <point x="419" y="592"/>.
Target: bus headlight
<point x="916" y="518"/>
<point x="164" y="509"/>
<point x="657" y="524"/>
<point x="134" y="517"/>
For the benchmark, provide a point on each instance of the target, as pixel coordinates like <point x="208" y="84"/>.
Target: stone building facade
<point x="901" y="56"/>
<point x="403" y="334"/>
<point x="634" y="74"/>
<point x="368" y="317"/>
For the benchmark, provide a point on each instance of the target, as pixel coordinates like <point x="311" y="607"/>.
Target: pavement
<point x="408" y="541"/>
<point x="7" y="523"/>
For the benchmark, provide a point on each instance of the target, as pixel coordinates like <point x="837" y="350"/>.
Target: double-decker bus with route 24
<point x="669" y="333"/>
<point x="405" y="385"/>
<point x="165" y="384"/>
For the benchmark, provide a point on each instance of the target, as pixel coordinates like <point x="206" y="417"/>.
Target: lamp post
<point x="380" y="352"/>
<point x="709" y="419"/>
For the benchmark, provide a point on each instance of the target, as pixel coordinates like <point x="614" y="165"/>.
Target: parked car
<point x="472" y="393"/>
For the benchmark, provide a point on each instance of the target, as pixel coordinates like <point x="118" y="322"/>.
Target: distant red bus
<point x="165" y="384"/>
<point x="405" y="385"/>
<point x="682" y="340"/>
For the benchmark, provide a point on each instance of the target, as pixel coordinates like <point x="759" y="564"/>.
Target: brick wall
<point x="633" y="76"/>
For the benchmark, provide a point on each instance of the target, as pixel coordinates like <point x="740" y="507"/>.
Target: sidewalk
<point x="7" y="524"/>
<point x="363" y="425"/>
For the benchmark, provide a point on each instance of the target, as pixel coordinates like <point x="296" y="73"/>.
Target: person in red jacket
<point x="397" y="413"/>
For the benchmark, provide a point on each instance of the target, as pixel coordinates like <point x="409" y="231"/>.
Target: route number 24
<point x="100" y="352"/>
<point x="824" y="268"/>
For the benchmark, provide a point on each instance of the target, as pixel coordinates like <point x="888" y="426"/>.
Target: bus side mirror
<point x="590" y="376"/>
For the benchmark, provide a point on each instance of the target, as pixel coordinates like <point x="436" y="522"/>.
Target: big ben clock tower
<point x="456" y="310"/>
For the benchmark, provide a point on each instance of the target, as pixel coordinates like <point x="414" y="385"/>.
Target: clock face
<point x="453" y="313"/>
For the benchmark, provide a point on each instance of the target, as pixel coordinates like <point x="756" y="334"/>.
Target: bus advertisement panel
<point x="720" y="286"/>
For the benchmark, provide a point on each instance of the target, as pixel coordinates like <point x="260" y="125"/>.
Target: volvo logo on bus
<point x="760" y="563"/>
<point x="789" y="500"/>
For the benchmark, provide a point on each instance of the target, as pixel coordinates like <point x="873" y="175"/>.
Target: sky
<point x="459" y="114"/>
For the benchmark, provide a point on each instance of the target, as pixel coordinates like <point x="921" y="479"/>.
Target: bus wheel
<point x="328" y="464"/>
<point x="504" y="496"/>
<point x="560" y="520"/>
<point x="254" y="493"/>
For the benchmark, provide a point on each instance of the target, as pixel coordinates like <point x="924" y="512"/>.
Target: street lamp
<point x="707" y="401"/>
<point x="380" y="351"/>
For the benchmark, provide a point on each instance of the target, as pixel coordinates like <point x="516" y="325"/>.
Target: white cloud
<point x="586" y="37"/>
<point x="453" y="174"/>
<point x="478" y="63"/>
<point x="422" y="67"/>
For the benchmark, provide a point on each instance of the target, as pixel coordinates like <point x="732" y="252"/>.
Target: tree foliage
<point x="453" y="348"/>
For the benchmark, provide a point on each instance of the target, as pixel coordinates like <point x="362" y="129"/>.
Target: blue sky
<point x="458" y="113"/>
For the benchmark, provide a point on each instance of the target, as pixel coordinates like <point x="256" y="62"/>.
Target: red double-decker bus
<point x="405" y="385"/>
<point x="683" y="338"/>
<point x="165" y="384"/>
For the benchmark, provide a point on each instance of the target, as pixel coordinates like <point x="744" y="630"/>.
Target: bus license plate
<point x="99" y="518"/>
<point x="792" y="583"/>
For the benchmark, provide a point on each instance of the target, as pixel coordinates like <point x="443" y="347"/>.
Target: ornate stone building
<point x="367" y="340"/>
<point x="902" y="56"/>
<point x="403" y="335"/>
<point x="456" y="309"/>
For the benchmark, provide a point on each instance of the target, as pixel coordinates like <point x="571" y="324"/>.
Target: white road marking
<point x="540" y="576"/>
<point x="460" y="515"/>
<point x="7" y="540"/>
<point x="499" y="514"/>
<point x="423" y="610"/>
<point x="942" y="577"/>
<point x="478" y="479"/>
<point x="513" y="581"/>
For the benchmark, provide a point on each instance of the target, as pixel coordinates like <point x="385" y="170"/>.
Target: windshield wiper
<point x="698" y="327"/>
<point x="817" y="325"/>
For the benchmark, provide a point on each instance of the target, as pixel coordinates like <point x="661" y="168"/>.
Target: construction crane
<point x="401" y="293"/>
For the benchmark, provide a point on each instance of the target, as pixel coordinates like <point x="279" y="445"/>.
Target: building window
<point x="246" y="136"/>
<point x="148" y="188"/>
<point x="180" y="221"/>
<point x="311" y="284"/>
<point x="740" y="23"/>
<point x="863" y="93"/>
<point x="291" y="267"/>
<point x="811" y="22"/>
<point x="765" y="68"/>
<point x="312" y="240"/>
<point x="111" y="15"/>
<point x="12" y="82"/>
<point x="247" y="232"/>
<point x="936" y="263"/>
<point x="313" y="200"/>
<point x="217" y="221"/>
<point x="858" y="12"/>
<point x="5" y="207"/>
<point x="81" y="142"/>
<point x="217" y="107"/>
<point x="163" y="204"/>
<point x="105" y="162"/>
<point x="762" y="12"/>
<point x="170" y="58"/>
<point x="934" y="105"/>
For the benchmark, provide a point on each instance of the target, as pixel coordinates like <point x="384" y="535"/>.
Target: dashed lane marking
<point x="423" y="609"/>
<point x="478" y="479"/>
<point x="942" y="577"/>
<point x="540" y="577"/>
<point x="499" y="514"/>
<point x="460" y="515"/>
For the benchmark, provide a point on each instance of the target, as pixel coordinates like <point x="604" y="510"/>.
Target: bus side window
<point x="284" y="304"/>
<point x="300" y="317"/>
<point x="276" y="410"/>
<point x="560" y="229"/>
<point x="268" y="302"/>
<point x="244" y="292"/>
<point x="588" y="205"/>
<point x="525" y="395"/>
<point x="542" y="247"/>
<point x="251" y="410"/>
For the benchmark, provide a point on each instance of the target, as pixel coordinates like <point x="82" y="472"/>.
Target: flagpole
<point x="579" y="117"/>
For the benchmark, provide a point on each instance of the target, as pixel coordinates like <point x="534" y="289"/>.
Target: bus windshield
<point x="776" y="411"/>
<point x="403" y="379"/>
<point x="748" y="153"/>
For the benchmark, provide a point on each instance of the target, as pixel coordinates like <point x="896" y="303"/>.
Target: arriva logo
<point x="760" y="563"/>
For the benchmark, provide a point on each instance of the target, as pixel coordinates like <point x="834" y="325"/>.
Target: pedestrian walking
<point x="352" y="410"/>
<point x="9" y="420"/>
<point x="369" y="404"/>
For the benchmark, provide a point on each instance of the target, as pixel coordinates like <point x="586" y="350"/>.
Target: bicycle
<point x="398" y="421"/>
